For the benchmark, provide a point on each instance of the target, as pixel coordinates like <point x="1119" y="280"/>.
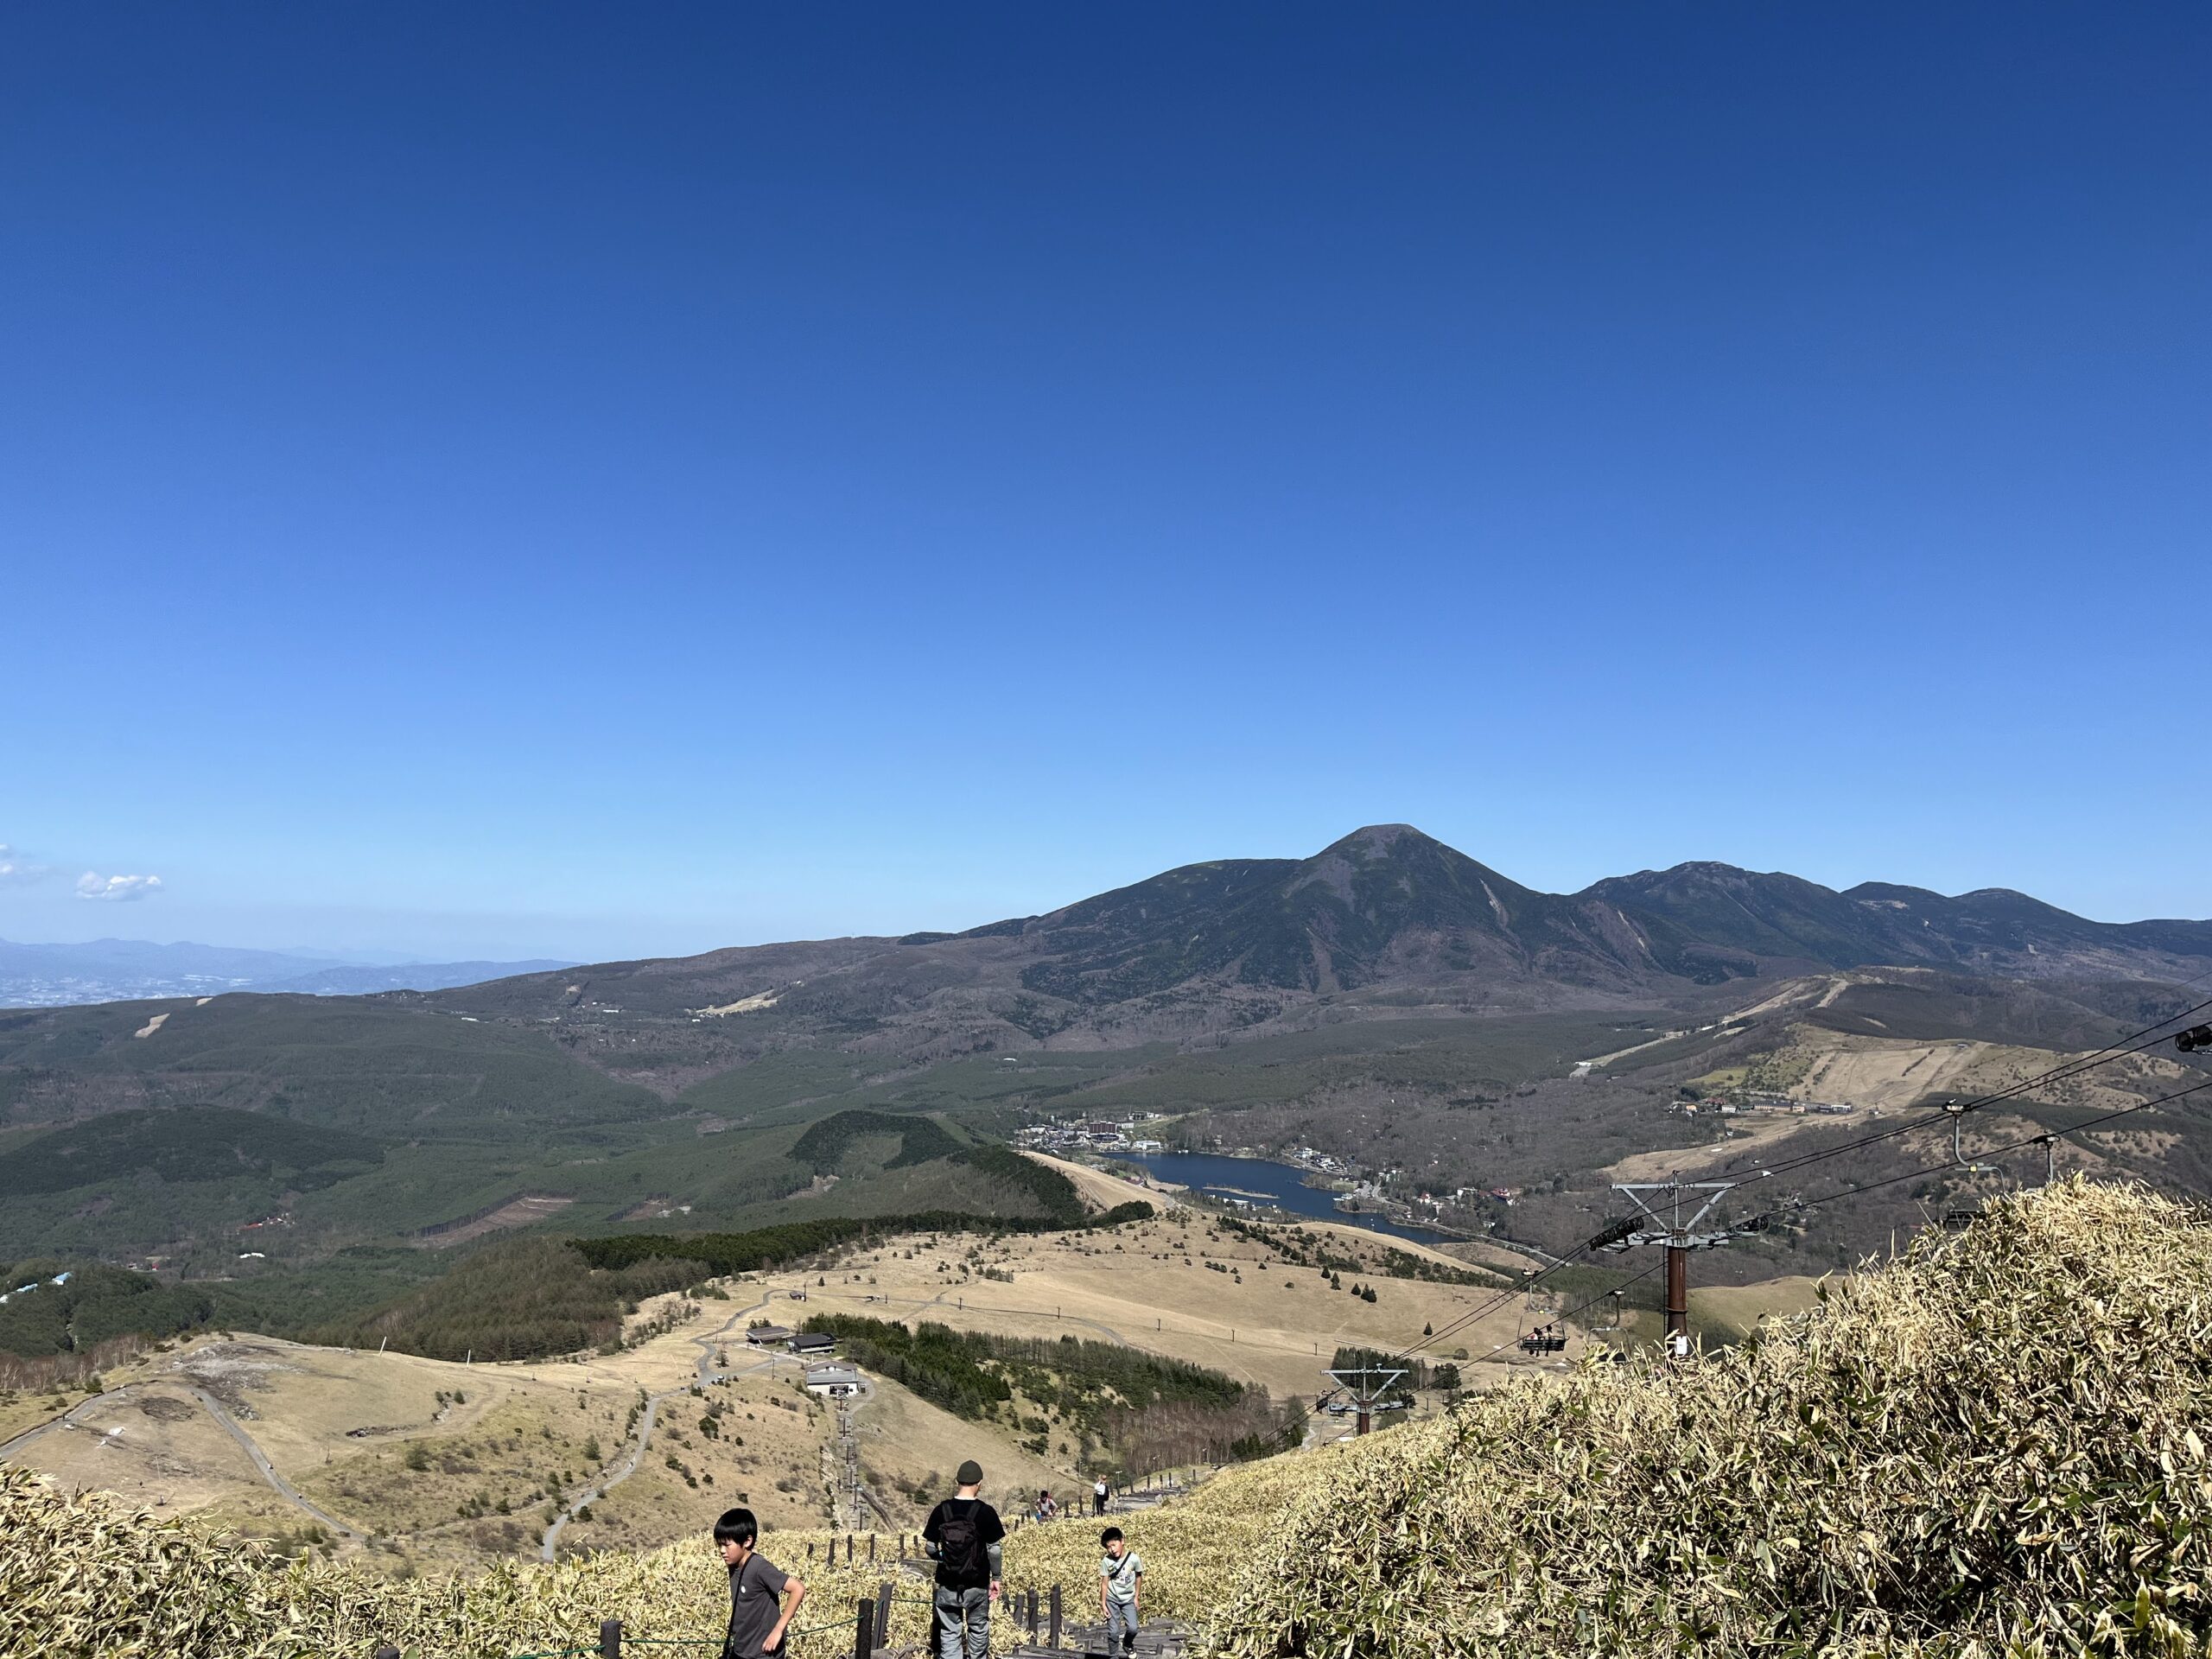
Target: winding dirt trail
<point x="229" y="1424"/>
<point x="705" y="1372"/>
<point x="284" y="1489"/>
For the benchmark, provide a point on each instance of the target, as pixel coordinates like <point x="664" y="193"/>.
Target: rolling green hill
<point x="365" y="1064"/>
<point x="55" y="1306"/>
<point x="830" y="1141"/>
<point x="186" y="1144"/>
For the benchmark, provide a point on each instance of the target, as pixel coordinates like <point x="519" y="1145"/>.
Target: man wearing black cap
<point x="963" y="1533"/>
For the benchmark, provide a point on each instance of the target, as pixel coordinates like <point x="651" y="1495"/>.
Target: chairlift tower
<point x="1679" y="1236"/>
<point x="1365" y="1384"/>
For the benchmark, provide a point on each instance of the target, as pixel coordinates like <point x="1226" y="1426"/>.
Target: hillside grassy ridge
<point x="1112" y="1396"/>
<point x="532" y="1297"/>
<point x="766" y="1247"/>
<point x="1991" y="1446"/>
<point x="1195" y="1547"/>
<point x="515" y="1299"/>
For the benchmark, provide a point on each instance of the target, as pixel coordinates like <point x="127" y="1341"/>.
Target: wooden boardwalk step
<point x="1163" y="1640"/>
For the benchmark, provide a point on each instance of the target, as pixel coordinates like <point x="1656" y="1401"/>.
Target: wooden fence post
<point x="1033" y="1615"/>
<point x="864" y="1631"/>
<point x="871" y="1549"/>
<point x="610" y="1639"/>
<point x="883" y="1613"/>
<point x="1055" y="1641"/>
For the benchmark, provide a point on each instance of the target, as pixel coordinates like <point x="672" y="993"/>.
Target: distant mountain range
<point x="1388" y="998"/>
<point x="110" y="970"/>
<point x="1386" y="918"/>
<point x="1384" y="924"/>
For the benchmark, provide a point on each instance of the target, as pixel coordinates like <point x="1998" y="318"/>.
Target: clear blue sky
<point x="613" y="481"/>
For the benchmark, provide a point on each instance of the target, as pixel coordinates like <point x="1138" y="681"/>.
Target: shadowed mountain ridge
<point x="1385" y="913"/>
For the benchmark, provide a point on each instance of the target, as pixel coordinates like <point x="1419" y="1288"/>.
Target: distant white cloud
<point x="15" y="870"/>
<point x="120" y="888"/>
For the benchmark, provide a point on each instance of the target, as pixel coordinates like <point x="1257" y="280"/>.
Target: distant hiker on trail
<point x="963" y="1536"/>
<point x="756" y="1628"/>
<point x="1099" y="1494"/>
<point x="1121" y="1575"/>
<point x="1046" y="1508"/>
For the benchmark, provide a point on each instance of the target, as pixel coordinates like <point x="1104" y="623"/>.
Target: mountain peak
<point x="1378" y="840"/>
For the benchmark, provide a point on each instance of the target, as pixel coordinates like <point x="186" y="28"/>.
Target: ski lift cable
<point x="1481" y="1309"/>
<point x="2065" y="1071"/>
<point x="1503" y="1297"/>
<point x="2135" y="1042"/>
<point x="1934" y="1169"/>
<point x="1576" y="1308"/>
<point x="1864" y="1187"/>
<point x="2033" y="1139"/>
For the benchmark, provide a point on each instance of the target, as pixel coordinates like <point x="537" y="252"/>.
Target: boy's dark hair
<point x="1108" y="1536"/>
<point x="736" y="1526"/>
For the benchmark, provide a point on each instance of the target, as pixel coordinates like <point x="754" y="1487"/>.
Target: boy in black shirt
<point x="963" y="1533"/>
<point x="756" y="1630"/>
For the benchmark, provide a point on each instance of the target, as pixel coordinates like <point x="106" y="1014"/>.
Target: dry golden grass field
<point x="412" y="1464"/>
<point x="440" y="1464"/>
<point x="1175" y="1286"/>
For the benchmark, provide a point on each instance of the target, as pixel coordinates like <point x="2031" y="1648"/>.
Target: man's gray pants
<point x="964" y="1623"/>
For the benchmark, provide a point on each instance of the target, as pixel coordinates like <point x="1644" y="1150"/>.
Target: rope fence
<point x="1042" y="1617"/>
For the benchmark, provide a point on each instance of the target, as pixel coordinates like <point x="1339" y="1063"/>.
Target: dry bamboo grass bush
<point x="1194" y="1547"/>
<point x="85" y="1576"/>
<point x="1993" y="1446"/>
<point x="89" y="1576"/>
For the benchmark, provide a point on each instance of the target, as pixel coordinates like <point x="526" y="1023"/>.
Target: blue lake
<point x="1223" y="1178"/>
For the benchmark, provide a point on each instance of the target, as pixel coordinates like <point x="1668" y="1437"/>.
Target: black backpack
<point x="960" y="1543"/>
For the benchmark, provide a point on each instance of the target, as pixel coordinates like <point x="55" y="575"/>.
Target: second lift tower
<point x="1679" y="1236"/>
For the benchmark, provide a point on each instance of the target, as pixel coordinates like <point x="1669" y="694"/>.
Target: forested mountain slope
<point x="1415" y="1004"/>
